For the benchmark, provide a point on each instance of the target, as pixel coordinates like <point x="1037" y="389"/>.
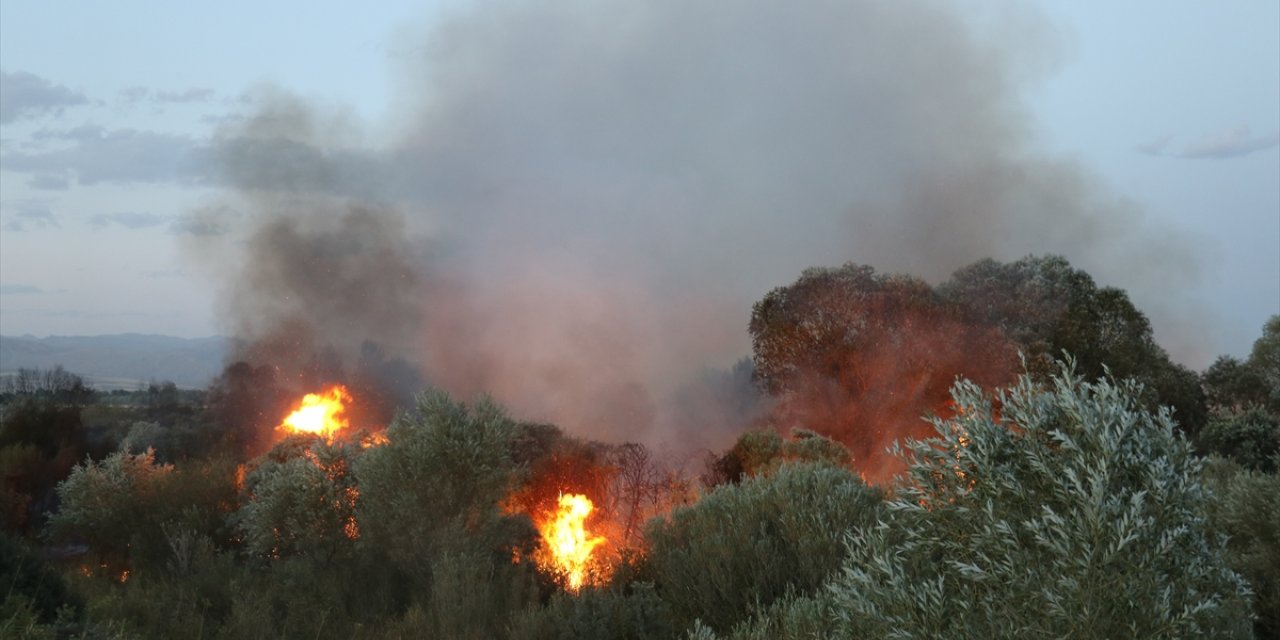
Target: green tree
<point x="1250" y="438"/>
<point x="1049" y="307"/>
<point x="301" y="503"/>
<point x="1246" y="509"/>
<point x="1054" y="509"/>
<point x="762" y="451"/>
<point x="105" y="504"/>
<point x="1232" y="385"/>
<point x="744" y="545"/>
<point x="439" y="480"/>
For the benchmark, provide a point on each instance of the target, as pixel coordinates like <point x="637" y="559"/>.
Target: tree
<point x="1246" y="509"/>
<point x="301" y="504"/>
<point x="105" y="504"/>
<point x="1232" y="386"/>
<point x="860" y="356"/>
<point x="759" y="452"/>
<point x="1049" y="307"/>
<point x="246" y="401"/>
<point x="435" y="487"/>
<point x="744" y="545"/>
<point x="1250" y="438"/>
<point x="1054" y="509"/>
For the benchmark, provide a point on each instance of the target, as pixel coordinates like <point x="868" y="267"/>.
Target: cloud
<point x="1155" y="147"/>
<point x="127" y="219"/>
<point x="20" y="289"/>
<point x="1231" y="143"/>
<point x="206" y="222"/>
<point x="192" y="95"/>
<point x="49" y="182"/>
<point x="96" y="154"/>
<point x="25" y="95"/>
<point x="32" y="215"/>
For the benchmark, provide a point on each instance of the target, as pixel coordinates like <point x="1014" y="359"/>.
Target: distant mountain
<point x="120" y="361"/>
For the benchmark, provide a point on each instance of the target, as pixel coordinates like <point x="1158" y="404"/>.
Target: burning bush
<point x="300" y="504"/>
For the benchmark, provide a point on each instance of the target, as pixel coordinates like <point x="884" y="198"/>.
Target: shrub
<point x="1246" y="508"/>
<point x="106" y="505"/>
<point x="301" y="505"/>
<point x="435" y="487"/>
<point x="637" y="613"/>
<point x="763" y="450"/>
<point x="743" y="546"/>
<point x="1069" y="511"/>
<point x="1251" y="438"/>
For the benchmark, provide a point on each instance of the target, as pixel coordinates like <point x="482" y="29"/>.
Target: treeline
<point x="57" y="384"/>
<point x="1060" y="497"/>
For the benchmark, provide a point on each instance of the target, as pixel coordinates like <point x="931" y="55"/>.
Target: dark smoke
<point x="581" y="200"/>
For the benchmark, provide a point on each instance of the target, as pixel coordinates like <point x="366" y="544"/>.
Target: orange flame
<point x="567" y="539"/>
<point x="322" y="414"/>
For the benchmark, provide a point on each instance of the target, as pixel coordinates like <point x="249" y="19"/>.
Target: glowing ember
<point x="375" y="439"/>
<point x="568" y="541"/>
<point x="323" y="414"/>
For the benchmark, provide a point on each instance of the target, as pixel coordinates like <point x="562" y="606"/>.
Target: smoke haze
<point x="578" y="202"/>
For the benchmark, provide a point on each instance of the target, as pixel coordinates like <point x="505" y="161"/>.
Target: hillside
<point x="120" y="361"/>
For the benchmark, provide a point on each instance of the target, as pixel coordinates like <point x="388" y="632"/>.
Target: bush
<point x="106" y="505"/>
<point x="1246" y="508"/>
<point x="301" y="505"/>
<point x="435" y="487"/>
<point x="762" y="451"/>
<point x="430" y="500"/>
<point x="24" y="574"/>
<point x="637" y="613"/>
<point x="1250" y="438"/>
<point x="136" y="514"/>
<point x="1068" y="511"/>
<point x="743" y="546"/>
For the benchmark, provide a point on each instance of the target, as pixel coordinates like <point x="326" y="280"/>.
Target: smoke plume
<point x="577" y="202"/>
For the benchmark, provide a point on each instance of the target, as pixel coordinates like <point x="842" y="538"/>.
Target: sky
<point x="107" y="111"/>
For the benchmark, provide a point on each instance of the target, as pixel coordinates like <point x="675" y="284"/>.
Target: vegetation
<point x="1065" y="501"/>
<point x="1050" y="510"/>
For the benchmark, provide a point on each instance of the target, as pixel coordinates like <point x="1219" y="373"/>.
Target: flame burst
<point x="566" y="538"/>
<point x="322" y="414"/>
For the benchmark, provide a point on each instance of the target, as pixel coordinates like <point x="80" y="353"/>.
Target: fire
<point x="323" y="414"/>
<point x="567" y="540"/>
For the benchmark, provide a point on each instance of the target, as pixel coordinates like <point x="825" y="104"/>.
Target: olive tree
<point x="1049" y="510"/>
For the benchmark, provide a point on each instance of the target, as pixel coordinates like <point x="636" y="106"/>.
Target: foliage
<point x="104" y="502"/>
<point x="1232" y="385"/>
<point x="761" y="451"/>
<point x="1048" y="307"/>
<point x="744" y="545"/>
<point x="55" y="385"/>
<point x="132" y="511"/>
<point x="1048" y="511"/>
<point x="860" y="356"/>
<point x="300" y="504"/>
<point x="636" y="613"/>
<point x="435" y="488"/>
<point x="1246" y="508"/>
<point x="246" y="401"/>
<point x="24" y="574"/>
<point x="1250" y="438"/>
